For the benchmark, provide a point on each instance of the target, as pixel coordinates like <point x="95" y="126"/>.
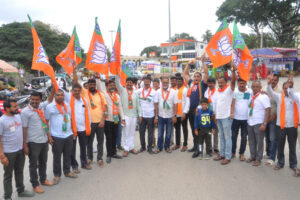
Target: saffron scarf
<point x="179" y="105"/>
<point x="282" y="113"/>
<point x="130" y="101"/>
<point x="93" y="106"/>
<point x="65" y="115"/>
<point x="42" y="116"/>
<point x="251" y="105"/>
<point x="210" y="94"/>
<point x="86" y="116"/>
<point x="115" y="110"/>
<point x="146" y="97"/>
<point x="194" y="87"/>
<point x="224" y="88"/>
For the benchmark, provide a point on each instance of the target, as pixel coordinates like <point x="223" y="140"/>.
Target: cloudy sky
<point x="143" y="22"/>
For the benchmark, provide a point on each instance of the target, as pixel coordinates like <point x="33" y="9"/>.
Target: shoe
<point x="101" y="163"/>
<point x="150" y="151"/>
<point x="120" y="148"/>
<point x="142" y="150"/>
<point x="256" y="163"/>
<point x="200" y="156"/>
<point x="88" y="167"/>
<point x="208" y="156"/>
<point x="56" y="180"/>
<point x="116" y="156"/>
<point x="195" y="154"/>
<point x="47" y="183"/>
<point x="191" y="150"/>
<point x="176" y="147"/>
<point x="216" y="151"/>
<point x="38" y="189"/>
<point x="133" y="151"/>
<point x="125" y="154"/>
<point x="71" y="175"/>
<point x="225" y="162"/>
<point x="184" y="148"/>
<point x="76" y="171"/>
<point x="218" y="158"/>
<point x="25" y="194"/>
<point x="108" y="160"/>
<point x="168" y="150"/>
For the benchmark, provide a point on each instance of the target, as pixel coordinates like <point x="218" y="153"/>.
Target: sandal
<point x="269" y="163"/>
<point x="168" y="150"/>
<point x="256" y="163"/>
<point x="249" y="160"/>
<point x="242" y="157"/>
<point x="297" y="173"/>
<point x="71" y="175"/>
<point x="56" y="180"/>
<point x="277" y="167"/>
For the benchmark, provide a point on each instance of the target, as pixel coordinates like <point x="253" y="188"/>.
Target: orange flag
<point x="96" y="59"/>
<point x="241" y="54"/>
<point x="71" y="56"/>
<point x="40" y="60"/>
<point x="115" y="62"/>
<point x="219" y="48"/>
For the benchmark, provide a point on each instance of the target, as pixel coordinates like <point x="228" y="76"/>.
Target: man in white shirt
<point x="222" y="111"/>
<point x="167" y="108"/>
<point x="239" y="112"/>
<point x="210" y="94"/>
<point x="259" y="112"/>
<point x="149" y="116"/>
<point x="81" y="122"/>
<point x="183" y="107"/>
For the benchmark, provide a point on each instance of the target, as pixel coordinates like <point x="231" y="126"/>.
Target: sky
<point x="143" y="22"/>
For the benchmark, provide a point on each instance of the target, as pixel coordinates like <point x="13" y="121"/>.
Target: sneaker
<point x="25" y="194"/>
<point x="208" y="156"/>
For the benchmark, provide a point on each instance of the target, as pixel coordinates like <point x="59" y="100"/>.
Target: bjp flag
<point x="96" y="59"/>
<point x="219" y="48"/>
<point x="71" y="56"/>
<point x="124" y="73"/>
<point x="115" y="61"/>
<point x="241" y="54"/>
<point x="40" y="60"/>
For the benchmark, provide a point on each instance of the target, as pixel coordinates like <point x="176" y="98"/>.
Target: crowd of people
<point x="216" y="117"/>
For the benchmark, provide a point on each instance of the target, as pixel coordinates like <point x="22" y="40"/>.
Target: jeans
<point x="271" y="137"/>
<point x="256" y="141"/>
<point x="236" y="125"/>
<point x="111" y="131"/>
<point x="100" y="139"/>
<point x="16" y="161"/>
<point x="177" y="126"/>
<point x="224" y="126"/>
<point x="62" y="146"/>
<point x="162" y="123"/>
<point x="291" y="135"/>
<point x="82" y="144"/>
<point x="147" y="123"/>
<point x="38" y="156"/>
<point x="119" y="136"/>
<point x="191" y="117"/>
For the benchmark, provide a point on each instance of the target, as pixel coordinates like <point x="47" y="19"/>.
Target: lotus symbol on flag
<point x="237" y="58"/>
<point x="113" y="56"/>
<point x="224" y="47"/>
<point x="99" y="54"/>
<point x="42" y="56"/>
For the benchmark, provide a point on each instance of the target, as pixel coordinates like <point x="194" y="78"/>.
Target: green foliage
<point x="182" y="36"/>
<point x="148" y="50"/>
<point x="281" y="17"/>
<point x="207" y="36"/>
<point x="16" y="42"/>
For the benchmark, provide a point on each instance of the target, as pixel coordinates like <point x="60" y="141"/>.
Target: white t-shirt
<point x="241" y="104"/>
<point x="147" y="105"/>
<point x="222" y="104"/>
<point x="261" y="103"/>
<point x="168" y="111"/>
<point x="213" y="97"/>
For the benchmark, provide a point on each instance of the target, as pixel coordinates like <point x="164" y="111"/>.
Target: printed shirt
<point x="204" y="119"/>
<point x="241" y="104"/>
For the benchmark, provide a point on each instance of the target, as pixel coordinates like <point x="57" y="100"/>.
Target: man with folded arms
<point x="58" y="113"/>
<point x="11" y="149"/>
<point x="36" y="134"/>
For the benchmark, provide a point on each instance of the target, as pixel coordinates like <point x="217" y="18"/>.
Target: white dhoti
<point x="129" y="133"/>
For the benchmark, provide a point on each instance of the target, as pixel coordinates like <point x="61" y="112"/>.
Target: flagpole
<point x="170" y="48"/>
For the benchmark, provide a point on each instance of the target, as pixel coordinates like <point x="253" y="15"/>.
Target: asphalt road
<point x="172" y="176"/>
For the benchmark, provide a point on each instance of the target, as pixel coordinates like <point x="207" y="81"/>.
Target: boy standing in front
<point x="204" y="125"/>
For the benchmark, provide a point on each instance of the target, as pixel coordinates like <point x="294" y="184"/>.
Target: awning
<point x="265" y="53"/>
<point x="7" y="68"/>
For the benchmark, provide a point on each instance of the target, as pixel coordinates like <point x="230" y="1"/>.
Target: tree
<point x="207" y="36"/>
<point x="253" y="42"/>
<point x="182" y="36"/>
<point x="282" y="17"/>
<point x="148" y="50"/>
<point x="16" y="42"/>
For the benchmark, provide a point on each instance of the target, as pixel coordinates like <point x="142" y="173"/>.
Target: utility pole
<point x="170" y="47"/>
<point x="262" y="37"/>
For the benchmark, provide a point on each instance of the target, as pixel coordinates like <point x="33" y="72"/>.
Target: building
<point x="183" y="50"/>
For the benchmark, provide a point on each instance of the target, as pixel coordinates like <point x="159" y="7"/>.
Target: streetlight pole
<point x="170" y="47"/>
